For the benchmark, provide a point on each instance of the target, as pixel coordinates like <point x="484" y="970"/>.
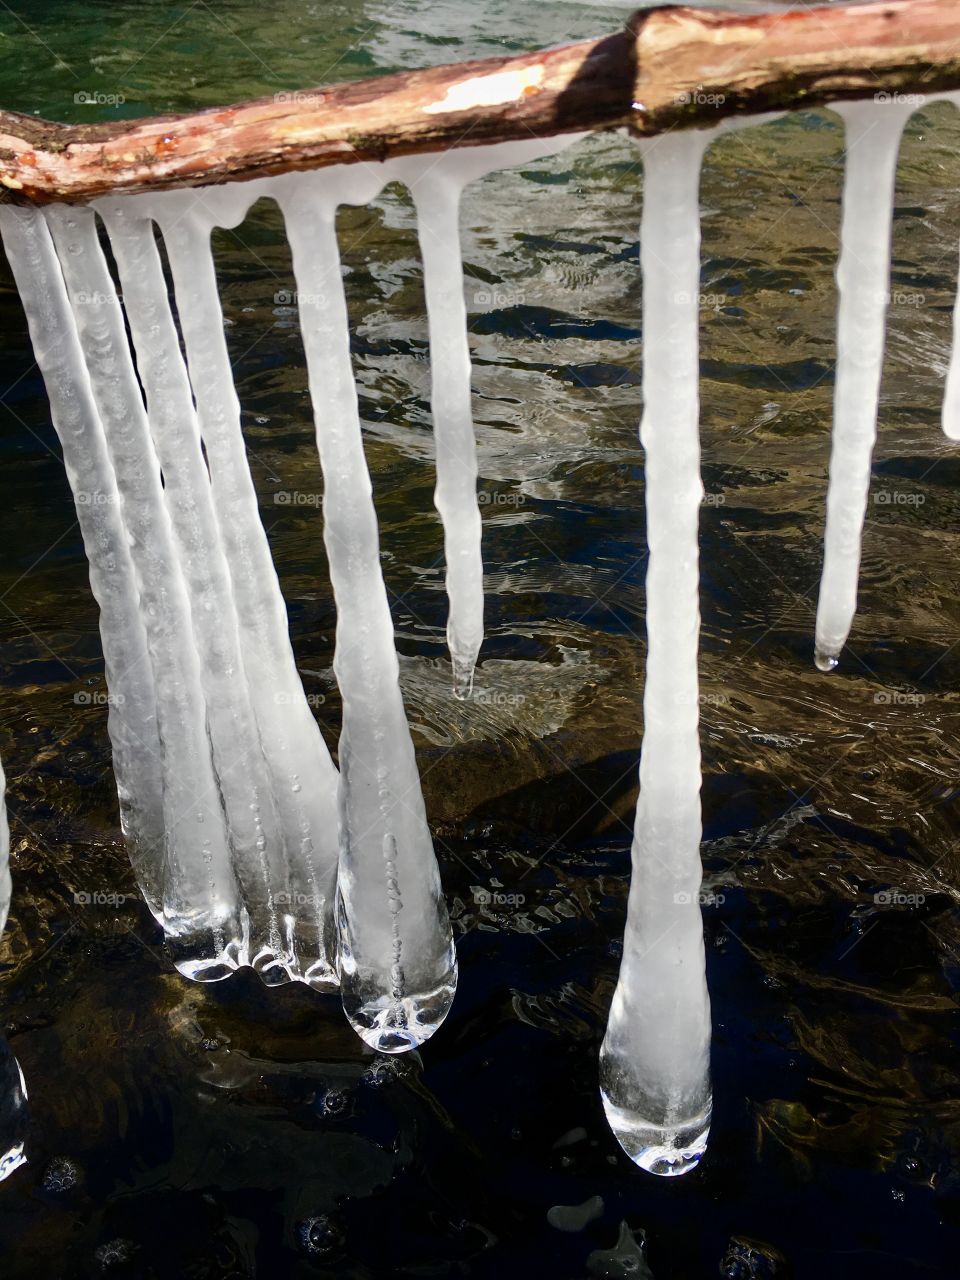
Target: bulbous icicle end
<point x="389" y="1025"/>
<point x="463" y="669"/>
<point x="825" y="659"/>
<point x="667" y="1152"/>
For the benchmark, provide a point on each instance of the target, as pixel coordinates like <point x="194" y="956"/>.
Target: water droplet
<point x="114" y="1254"/>
<point x="382" y="1071"/>
<point x="61" y="1174"/>
<point x="825" y="661"/>
<point x="334" y="1102"/>
<point x="319" y="1237"/>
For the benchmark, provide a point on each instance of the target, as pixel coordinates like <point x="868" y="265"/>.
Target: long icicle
<point x="237" y="758"/>
<point x="398" y="967"/>
<point x="131" y="717"/>
<point x="436" y="184"/>
<point x="438" y="208"/>
<point x="13" y="1092"/>
<point x="951" y="398"/>
<point x="654" y="1063"/>
<point x="6" y="885"/>
<point x="951" y="395"/>
<point x="303" y="776"/>
<point x="873" y="132"/>
<point x="195" y="837"/>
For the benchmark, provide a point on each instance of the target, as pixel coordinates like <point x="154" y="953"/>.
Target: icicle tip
<point x="825" y="660"/>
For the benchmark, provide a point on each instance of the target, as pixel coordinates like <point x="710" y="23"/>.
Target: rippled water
<point x="227" y="1132"/>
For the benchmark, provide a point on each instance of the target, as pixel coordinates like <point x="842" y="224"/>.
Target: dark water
<point x="176" y="1130"/>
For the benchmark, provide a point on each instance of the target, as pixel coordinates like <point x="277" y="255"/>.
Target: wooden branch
<point x="668" y="67"/>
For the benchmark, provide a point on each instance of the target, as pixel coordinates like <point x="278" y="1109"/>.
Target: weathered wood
<point x="668" y="67"/>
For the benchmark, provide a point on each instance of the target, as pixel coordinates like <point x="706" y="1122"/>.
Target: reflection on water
<point x="13" y="1112"/>
<point x="232" y="1133"/>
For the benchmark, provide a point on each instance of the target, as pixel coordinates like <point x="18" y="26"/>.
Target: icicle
<point x="951" y="397"/>
<point x="193" y="860"/>
<point x="654" y="1063"/>
<point x="436" y="184"/>
<point x="237" y="757"/>
<point x="132" y="715"/>
<point x="438" y="209"/>
<point x="6" y="886"/>
<point x="863" y="277"/>
<point x="303" y="776"/>
<point x="14" y="1121"/>
<point x="13" y="1092"/>
<point x="398" y="966"/>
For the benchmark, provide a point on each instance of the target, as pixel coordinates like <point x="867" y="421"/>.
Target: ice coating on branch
<point x="873" y="133"/>
<point x="398" y="969"/>
<point x="132" y="718"/>
<point x="654" y="1063"/>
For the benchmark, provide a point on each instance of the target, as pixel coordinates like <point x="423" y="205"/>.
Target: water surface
<point x="226" y="1131"/>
